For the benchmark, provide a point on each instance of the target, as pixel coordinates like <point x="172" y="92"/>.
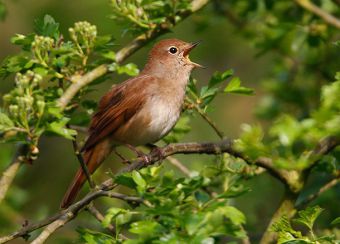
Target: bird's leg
<point x="139" y="153"/>
<point x="124" y="160"/>
<point x="155" y="150"/>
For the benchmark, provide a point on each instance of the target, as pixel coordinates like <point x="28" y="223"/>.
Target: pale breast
<point x="157" y="116"/>
<point x="164" y="116"/>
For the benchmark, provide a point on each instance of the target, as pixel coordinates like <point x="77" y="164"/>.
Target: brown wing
<point x="116" y="108"/>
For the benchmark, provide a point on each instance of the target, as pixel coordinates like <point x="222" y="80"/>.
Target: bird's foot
<point x="156" y="151"/>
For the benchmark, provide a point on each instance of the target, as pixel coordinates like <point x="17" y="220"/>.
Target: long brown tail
<point x="93" y="157"/>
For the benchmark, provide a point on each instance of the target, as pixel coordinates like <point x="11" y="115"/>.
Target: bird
<point x="139" y="111"/>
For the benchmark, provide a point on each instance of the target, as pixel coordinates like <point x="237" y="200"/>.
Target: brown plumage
<point x="140" y="110"/>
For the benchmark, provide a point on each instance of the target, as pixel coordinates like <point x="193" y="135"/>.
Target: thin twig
<point x="175" y="162"/>
<point x="82" y="163"/>
<point x="205" y="117"/>
<point x="324" y="188"/>
<point x="99" y="216"/>
<point x="51" y="228"/>
<point x="327" y="17"/>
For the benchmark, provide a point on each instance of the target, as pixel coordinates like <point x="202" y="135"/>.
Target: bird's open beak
<point x="188" y="50"/>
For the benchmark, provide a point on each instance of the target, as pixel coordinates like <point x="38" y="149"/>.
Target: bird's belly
<point x="151" y="123"/>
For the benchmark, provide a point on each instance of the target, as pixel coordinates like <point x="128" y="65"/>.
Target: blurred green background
<point x="39" y="187"/>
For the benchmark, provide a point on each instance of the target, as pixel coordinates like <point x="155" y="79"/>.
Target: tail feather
<point x="93" y="157"/>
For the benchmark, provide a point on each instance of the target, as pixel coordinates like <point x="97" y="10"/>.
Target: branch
<point x="328" y="18"/>
<point x="286" y="208"/>
<point x="98" y="215"/>
<point x="224" y="146"/>
<point x="324" y="188"/>
<point x="68" y="214"/>
<point x="205" y="117"/>
<point x="10" y="172"/>
<point x="124" y="53"/>
<point x="60" y="219"/>
<point x="325" y="146"/>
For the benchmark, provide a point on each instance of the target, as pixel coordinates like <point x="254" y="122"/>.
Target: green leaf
<point x="129" y="69"/>
<point x="110" y="55"/>
<point x="234" y="86"/>
<point x="235" y="215"/>
<point x="181" y="128"/>
<point x="125" y="180"/>
<point x="336" y="221"/>
<point x="287" y="129"/>
<point x="193" y="222"/>
<point x="47" y="27"/>
<point x="22" y="40"/>
<point x="192" y="85"/>
<point x="145" y="227"/>
<point x="93" y="237"/>
<point x="138" y="179"/>
<point x="308" y="216"/>
<point x="58" y="127"/>
<point x="111" y="213"/>
<point x="5" y="122"/>
<point x="220" y="77"/>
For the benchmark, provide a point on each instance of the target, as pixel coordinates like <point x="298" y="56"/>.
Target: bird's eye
<point x="173" y="50"/>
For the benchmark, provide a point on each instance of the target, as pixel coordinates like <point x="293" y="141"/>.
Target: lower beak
<point x="188" y="50"/>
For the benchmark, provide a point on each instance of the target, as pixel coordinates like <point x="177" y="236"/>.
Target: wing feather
<point x="116" y="108"/>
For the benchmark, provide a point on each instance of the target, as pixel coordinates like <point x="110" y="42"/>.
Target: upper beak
<point x="188" y="50"/>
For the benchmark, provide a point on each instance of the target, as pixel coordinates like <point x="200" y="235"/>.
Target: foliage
<point x="176" y="209"/>
<point x="305" y="218"/>
<point x="47" y="65"/>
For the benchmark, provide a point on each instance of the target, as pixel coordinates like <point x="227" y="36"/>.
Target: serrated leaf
<point x="308" y="216"/>
<point x="111" y="213"/>
<point x="234" y="86"/>
<point x="58" y="127"/>
<point x="47" y="27"/>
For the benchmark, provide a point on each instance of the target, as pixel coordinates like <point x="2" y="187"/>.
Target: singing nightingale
<point x="140" y="110"/>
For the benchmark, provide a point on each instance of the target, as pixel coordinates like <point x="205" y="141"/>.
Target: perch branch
<point x="68" y="214"/>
